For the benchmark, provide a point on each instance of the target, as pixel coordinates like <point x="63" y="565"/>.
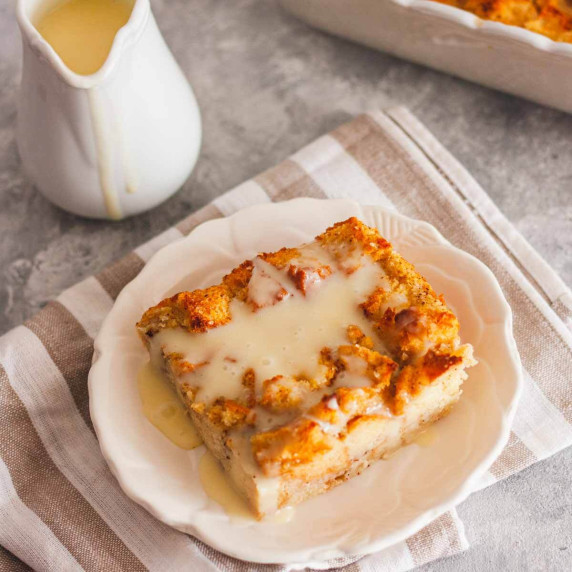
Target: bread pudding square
<point x="306" y="365"/>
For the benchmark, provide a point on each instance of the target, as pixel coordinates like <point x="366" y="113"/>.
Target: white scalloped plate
<point x="387" y="503"/>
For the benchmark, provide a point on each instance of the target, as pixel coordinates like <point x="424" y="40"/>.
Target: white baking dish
<point x="503" y="57"/>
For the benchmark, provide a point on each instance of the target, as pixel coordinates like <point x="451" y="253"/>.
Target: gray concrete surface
<point x="267" y="85"/>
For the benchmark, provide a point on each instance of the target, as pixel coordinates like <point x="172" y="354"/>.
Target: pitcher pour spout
<point x="29" y="12"/>
<point x="115" y="142"/>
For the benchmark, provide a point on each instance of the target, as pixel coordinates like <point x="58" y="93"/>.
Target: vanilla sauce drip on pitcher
<point x="108" y="126"/>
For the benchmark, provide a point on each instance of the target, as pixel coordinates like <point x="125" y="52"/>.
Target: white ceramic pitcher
<point x="114" y="143"/>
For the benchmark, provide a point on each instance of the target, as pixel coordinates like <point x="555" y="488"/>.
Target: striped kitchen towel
<point x="60" y="507"/>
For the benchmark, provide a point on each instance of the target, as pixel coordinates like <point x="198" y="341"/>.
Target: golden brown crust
<point x="298" y="445"/>
<point x="178" y="365"/>
<point x="551" y="18"/>
<point x="357" y="337"/>
<point x="513" y="12"/>
<point x="378" y="368"/>
<point x="248" y="381"/>
<point x="297" y="450"/>
<point x="412" y="378"/>
<point x="344" y="238"/>
<point x="227" y="414"/>
<point x="280" y="258"/>
<point x="281" y="393"/>
<point x="237" y="280"/>
<point x="195" y="311"/>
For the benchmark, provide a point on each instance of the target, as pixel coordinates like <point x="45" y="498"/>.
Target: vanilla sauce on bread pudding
<point x="306" y="365"/>
<point x="163" y="408"/>
<point x="276" y="340"/>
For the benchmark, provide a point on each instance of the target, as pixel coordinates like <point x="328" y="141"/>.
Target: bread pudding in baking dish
<point x="306" y="365"/>
<point x="552" y="18"/>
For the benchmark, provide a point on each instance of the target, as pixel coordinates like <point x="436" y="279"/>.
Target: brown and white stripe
<point x="61" y="508"/>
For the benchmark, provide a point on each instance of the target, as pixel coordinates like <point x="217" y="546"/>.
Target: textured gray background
<point x="267" y="85"/>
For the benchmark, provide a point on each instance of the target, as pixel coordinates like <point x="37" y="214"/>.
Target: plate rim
<point x="464" y="489"/>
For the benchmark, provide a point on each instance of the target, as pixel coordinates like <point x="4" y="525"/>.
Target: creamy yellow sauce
<point x="164" y="410"/>
<point x="282" y="339"/>
<point x="426" y="438"/>
<point x="218" y="487"/>
<point x="82" y="31"/>
<point x="104" y="156"/>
